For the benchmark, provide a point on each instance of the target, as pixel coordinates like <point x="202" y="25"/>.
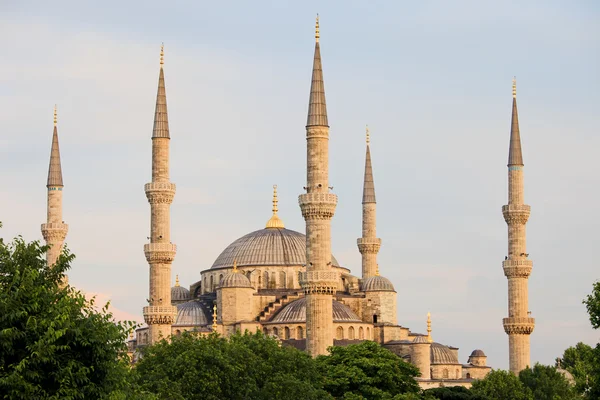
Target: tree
<point x="579" y="361"/>
<point x="53" y="342"/>
<point x="592" y="303"/>
<point x="502" y="385"/>
<point x="243" y="366"/>
<point x="546" y="383"/>
<point x="453" y="393"/>
<point x="366" y="370"/>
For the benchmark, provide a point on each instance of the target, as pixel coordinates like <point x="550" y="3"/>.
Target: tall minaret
<point x="319" y="282"/>
<point x="160" y="252"/>
<point x="54" y="230"/>
<point x="369" y="244"/>
<point x="517" y="267"/>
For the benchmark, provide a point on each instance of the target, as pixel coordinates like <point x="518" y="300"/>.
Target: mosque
<point x="288" y="284"/>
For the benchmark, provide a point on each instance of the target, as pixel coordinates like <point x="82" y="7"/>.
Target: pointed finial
<point x="162" y="54"/>
<point x="377" y="270"/>
<point x="275" y="221"/>
<point x="514" y="87"/>
<point x="317" y="29"/>
<point x="55" y="117"/>
<point x="368" y="136"/>
<point x="235" y="270"/>
<point x="177" y="280"/>
<point x="214" y="324"/>
<point x="429" y="339"/>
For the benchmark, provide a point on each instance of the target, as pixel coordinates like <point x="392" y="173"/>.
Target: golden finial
<point x="55" y="118"/>
<point x="317" y="29"/>
<point x="514" y="87"/>
<point x="377" y="270"/>
<point x="162" y="54"/>
<point x="214" y="324"/>
<point x="368" y="136"/>
<point x="177" y="280"/>
<point x="235" y="266"/>
<point x="429" y="339"/>
<point x="275" y="221"/>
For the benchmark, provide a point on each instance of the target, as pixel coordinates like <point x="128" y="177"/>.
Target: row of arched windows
<point x="263" y="280"/>
<point x="352" y="334"/>
<point x="286" y="333"/>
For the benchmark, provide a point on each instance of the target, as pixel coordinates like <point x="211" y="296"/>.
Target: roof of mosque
<point x="441" y="354"/>
<point x="269" y="246"/>
<point x="295" y="312"/>
<point x="191" y="313"/>
<point x="421" y="339"/>
<point x="478" y="353"/>
<point x="235" y="280"/>
<point x="377" y="284"/>
<point x="179" y="293"/>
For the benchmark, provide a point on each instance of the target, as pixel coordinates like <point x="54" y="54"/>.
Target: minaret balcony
<point x="54" y="231"/>
<point x="160" y="192"/>
<point x="319" y="281"/>
<point x="516" y="213"/>
<point x="368" y="245"/>
<point x="518" y="325"/>
<point x="517" y="267"/>
<point x="317" y="205"/>
<point x="159" y="314"/>
<point x="160" y="252"/>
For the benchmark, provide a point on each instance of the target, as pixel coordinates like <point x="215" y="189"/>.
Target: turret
<point x="160" y="252"/>
<point x="54" y="230"/>
<point x="517" y="267"/>
<point x="319" y="282"/>
<point x="234" y="299"/>
<point x="369" y="244"/>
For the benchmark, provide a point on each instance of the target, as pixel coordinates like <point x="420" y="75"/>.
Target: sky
<point x="432" y="79"/>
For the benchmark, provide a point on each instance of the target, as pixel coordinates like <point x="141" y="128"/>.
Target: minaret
<point x="369" y="244"/>
<point x="160" y="252"/>
<point x="517" y="267"/>
<point x="54" y="230"/>
<point x="319" y="282"/>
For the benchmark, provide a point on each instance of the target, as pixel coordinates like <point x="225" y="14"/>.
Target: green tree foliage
<point x="53" y="343"/>
<point x="592" y="303"/>
<point x="546" y="383"/>
<point x="579" y="361"/>
<point x="453" y="393"/>
<point x="368" y="371"/>
<point x="248" y="366"/>
<point x="502" y="385"/>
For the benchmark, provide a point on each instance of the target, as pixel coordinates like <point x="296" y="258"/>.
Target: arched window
<point x="339" y="334"/>
<point x="146" y="338"/>
<point x="361" y="333"/>
<point x="374" y="318"/>
<point x="351" y="333"/>
<point x="178" y="332"/>
<point x="286" y="333"/>
<point x="445" y="373"/>
<point x="275" y="332"/>
<point x="266" y="280"/>
<point x="468" y="375"/>
<point x="282" y="282"/>
<point x="220" y="279"/>
<point x="265" y="331"/>
<point x="368" y="333"/>
<point x="457" y="376"/>
<point x="299" y="333"/>
<point x="212" y="283"/>
<point x="259" y="278"/>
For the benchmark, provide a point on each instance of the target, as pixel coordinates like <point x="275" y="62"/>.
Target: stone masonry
<point x="319" y="281"/>
<point x="517" y="267"/>
<point x="369" y="244"/>
<point x="160" y="252"/>
<point x="54" y="230"/>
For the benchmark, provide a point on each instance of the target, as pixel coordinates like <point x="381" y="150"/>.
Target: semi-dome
<point x="295" y="312"/>
<point x="269" y="246"/>
<point x="422" y="339"/>
<point x="191" y="313"/>
<point x="235" y="279"/>
<point x="179" y="293"/>
<point x="441" y="354"/>
<point x="377" y="284"/>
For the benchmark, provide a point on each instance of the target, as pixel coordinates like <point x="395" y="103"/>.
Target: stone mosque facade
<point x="288" y="284"/>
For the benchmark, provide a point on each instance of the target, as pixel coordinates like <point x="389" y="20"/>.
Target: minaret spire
<point x="517" y="267"/>
<point x="429" y="338"/>
<point x="160" y="252"/>
<point x="319" y="282"/>
<point x="54" y="230"/>
<point x="275" y="221"/>
<point x="369" y="244"/>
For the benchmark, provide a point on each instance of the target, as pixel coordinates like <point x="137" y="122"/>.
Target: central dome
<point x="269" y="246"/>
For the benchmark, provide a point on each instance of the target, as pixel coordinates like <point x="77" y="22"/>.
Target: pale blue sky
<point x="431" y="78"/>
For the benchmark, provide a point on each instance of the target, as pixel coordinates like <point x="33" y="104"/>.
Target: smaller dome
<point x="295" y="312"/>
<point x="421" y="339"/>
<point x="568" y="376"/>
<point x="190" y="313"/>
<point x="179" y="293"/>
<point x="441" y="354"/>
<point x="478" y="353"/>
<point x="377" y="284"/>
<point x="235" y="280"/>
